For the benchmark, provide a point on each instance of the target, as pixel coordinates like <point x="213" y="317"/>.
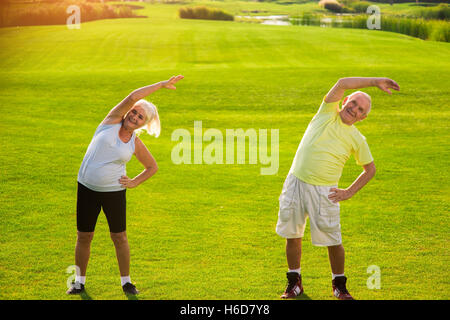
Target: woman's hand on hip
<point x="127" y="182"/>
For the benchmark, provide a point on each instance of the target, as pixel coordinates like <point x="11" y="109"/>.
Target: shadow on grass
<point x="131" y="296"/>
<point x="303" y="296"/>
<point x="85" y="296"/>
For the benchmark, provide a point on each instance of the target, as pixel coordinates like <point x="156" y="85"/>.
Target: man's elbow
<point x="340" y="83"/>
<point x="370" y="169"/>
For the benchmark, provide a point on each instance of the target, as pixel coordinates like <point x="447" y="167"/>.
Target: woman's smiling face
<point x="135" y="118"/>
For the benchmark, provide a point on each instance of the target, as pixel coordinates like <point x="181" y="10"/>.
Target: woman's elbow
<point x="133" y="96"/>
<point x="155" y="168"/>
<point x="151" y="169"/>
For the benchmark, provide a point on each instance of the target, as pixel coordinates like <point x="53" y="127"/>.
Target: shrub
<point x="360" y="6"/>
<point x="306" y="18"/>
<point x="440" y="12"/>
<point x="440" y="31"/>
<point x="205" y="13"/>
<point x="124" y="11"/>
<point x="404" y="1"/>
<point x="52" y="13"/>
<point x="436" y="30"/>
<point x="412" y="27"/>
<point x="309" y="19"/>
<point x="332" y="5"/>
<point x="359" y="22"/>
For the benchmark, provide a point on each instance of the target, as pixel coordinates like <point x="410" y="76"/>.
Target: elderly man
<point x="310" y="189"/>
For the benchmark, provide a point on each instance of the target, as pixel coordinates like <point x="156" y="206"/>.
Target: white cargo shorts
<point x="299" y="200"/>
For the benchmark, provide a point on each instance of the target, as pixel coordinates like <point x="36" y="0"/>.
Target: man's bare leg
<point x="336" y="254"/>
<point x="337" y="261"/>
<point x="293" y="253"/>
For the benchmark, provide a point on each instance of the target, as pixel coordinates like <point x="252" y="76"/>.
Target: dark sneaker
<point x="129" y="288"/>
<point x="76" y="288"/>
<point x="294" y="287"/>
<point x="340" y="290"/>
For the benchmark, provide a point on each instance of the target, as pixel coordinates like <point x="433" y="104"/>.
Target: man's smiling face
<point x="355" y="108"/>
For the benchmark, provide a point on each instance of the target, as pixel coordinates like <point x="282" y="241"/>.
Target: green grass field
<point x="208" y="231"/>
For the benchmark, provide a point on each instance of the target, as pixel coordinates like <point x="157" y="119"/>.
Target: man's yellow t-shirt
<point x="326" y="146"/>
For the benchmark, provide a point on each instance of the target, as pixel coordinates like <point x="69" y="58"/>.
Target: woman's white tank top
<point x="105" y="159"/>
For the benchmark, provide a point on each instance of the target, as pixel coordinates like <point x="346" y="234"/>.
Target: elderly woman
<point x="102" y="179"/>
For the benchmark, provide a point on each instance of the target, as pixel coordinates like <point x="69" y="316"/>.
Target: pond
<point x="284" y="20"/>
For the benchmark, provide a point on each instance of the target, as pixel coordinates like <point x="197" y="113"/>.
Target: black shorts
<point x="89" y="204"/>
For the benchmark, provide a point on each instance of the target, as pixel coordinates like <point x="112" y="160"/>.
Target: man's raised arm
<point x="337" y="92"/>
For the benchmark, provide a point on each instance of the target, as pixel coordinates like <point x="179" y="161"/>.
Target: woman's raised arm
<point x="119" y="111"/>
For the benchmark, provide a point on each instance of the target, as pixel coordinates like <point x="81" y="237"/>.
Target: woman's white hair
<point x="152" y="124"/>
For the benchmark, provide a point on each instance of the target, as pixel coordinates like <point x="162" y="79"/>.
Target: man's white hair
<point x="152" y="124"/>
<point x="365" y="95"/>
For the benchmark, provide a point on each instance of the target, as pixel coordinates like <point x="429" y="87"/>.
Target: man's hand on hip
<point x="337" y="195"/>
